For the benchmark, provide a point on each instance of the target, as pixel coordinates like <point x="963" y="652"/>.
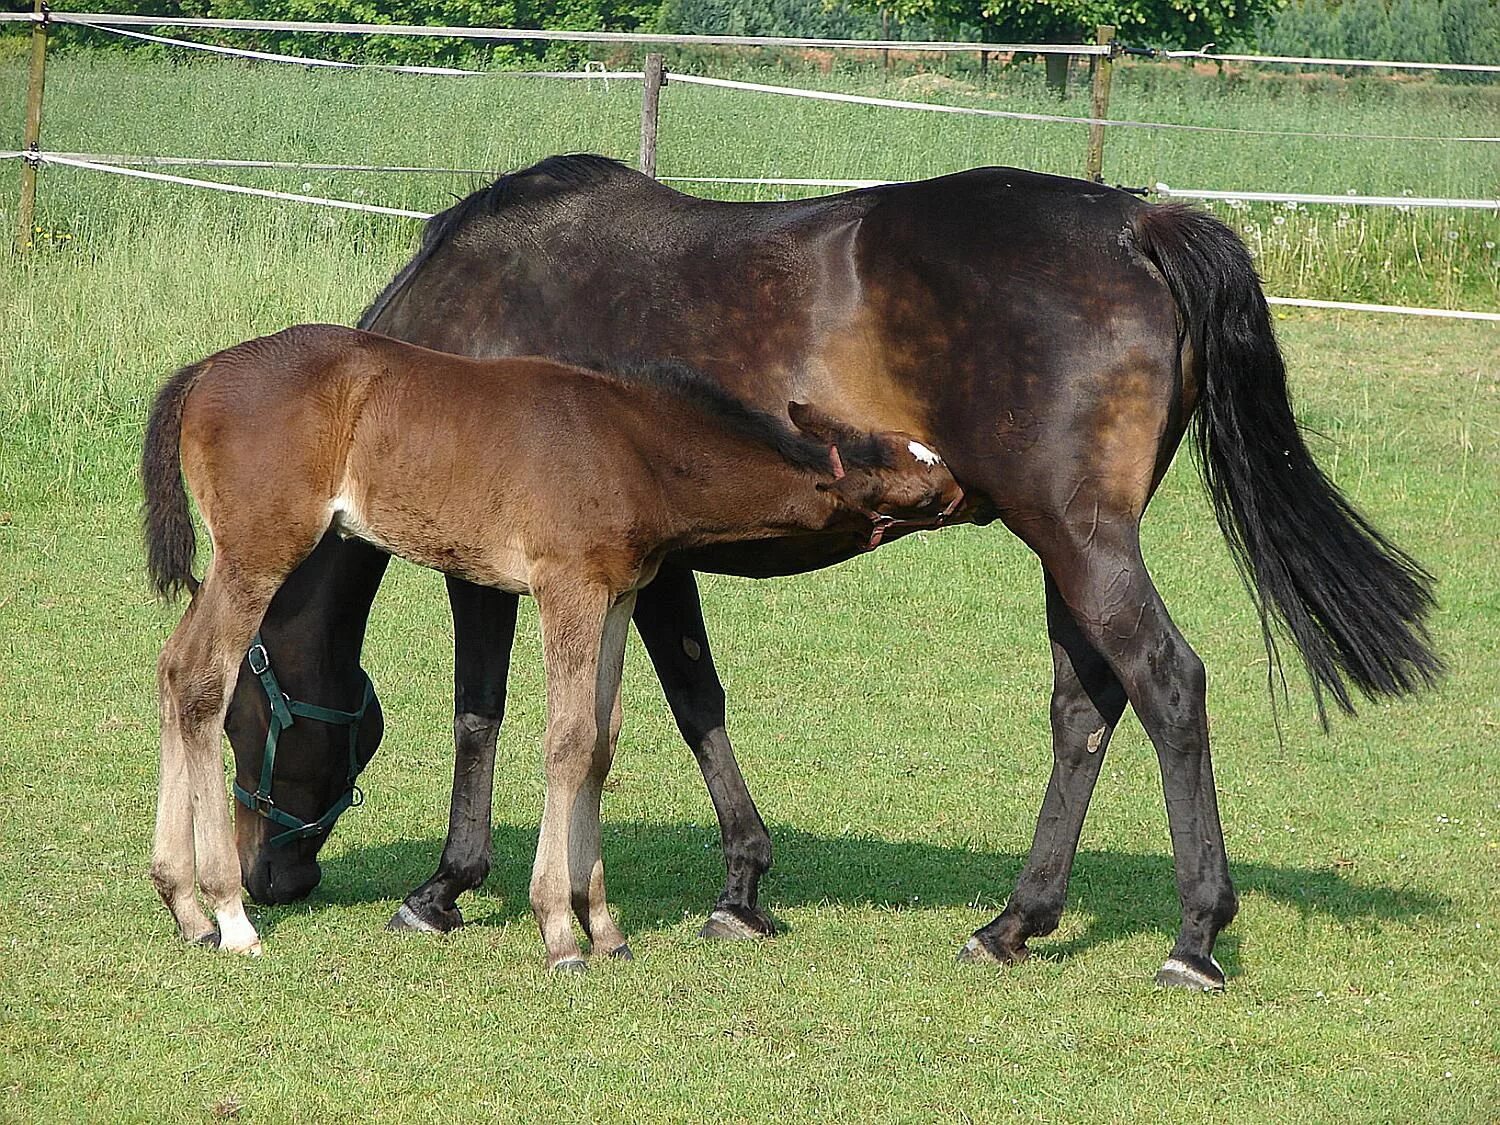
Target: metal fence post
<point x="1093" y="168"/>
<point x="32" y="137"/>
<point x="650" y="107"/>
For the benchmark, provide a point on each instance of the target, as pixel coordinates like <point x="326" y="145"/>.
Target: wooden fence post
<point x="31" y="139"/>
<point x="650" y="106"/>
<point x="1093" y="168"/>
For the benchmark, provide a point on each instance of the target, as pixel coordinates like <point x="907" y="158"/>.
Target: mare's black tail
<point x="171" y="542"/>
<point x="1352" y="602"/>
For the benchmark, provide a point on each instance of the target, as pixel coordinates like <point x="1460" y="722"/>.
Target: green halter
<point x="283" y="711"/>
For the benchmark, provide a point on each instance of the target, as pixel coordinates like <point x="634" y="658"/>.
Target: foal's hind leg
<point x="669" y="618"/>
<point x="196" y="675"/>
<point x="484" y="628"/>
<point x="1103" y="580"/>
<point x="172" y="852"/>
<point x="1087" y="701"/>
<point x="585" y="845"/>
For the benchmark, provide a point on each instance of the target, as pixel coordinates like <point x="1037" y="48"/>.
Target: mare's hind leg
<point x="1103" y="580"/>
<point x="484" y="628"/>
<point x="669" y="617"/>
<point x="1087" y="702"/>
<point x="196" y="675"/>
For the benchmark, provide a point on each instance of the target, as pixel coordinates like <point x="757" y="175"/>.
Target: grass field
<point x="890" y="715"/>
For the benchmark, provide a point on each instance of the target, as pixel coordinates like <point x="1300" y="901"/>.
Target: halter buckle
<point x="264" y="658"/>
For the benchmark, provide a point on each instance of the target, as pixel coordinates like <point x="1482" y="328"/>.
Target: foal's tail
<point x="171" y="542"/>
<point x="1353" y="603"/>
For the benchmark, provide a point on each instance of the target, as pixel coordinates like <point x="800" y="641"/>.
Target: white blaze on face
<point x="923" y="454"/>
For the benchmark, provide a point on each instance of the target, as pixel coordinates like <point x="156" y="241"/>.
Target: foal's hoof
<point x="209" y="940"/>
<point x="408" y="921"/>
<point x="976" y="951"/>
<point x="1193" y="973"/>
<point x="622" y="952"/>
<point x="571" y="965"/>
<point x="738" y="923"/>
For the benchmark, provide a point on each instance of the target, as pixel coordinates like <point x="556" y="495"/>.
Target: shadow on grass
<point x="658" y="872"/>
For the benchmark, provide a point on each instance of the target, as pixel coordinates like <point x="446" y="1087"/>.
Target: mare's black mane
<point x="566" y="171"/>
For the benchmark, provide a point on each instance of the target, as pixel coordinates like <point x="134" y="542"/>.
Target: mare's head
<point x="889" y="477"/>
<point x="283" y="816"/>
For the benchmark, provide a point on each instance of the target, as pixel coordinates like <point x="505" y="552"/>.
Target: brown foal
<point x="523" y="474"/>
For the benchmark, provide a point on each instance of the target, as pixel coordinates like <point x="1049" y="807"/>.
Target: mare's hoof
<point x="1192" y="973"/>
<point x="408" y="921"/>
<point x="209" y="940"/>
<point x="571" y="965"/>
<point x="976" y="951"/>
<point x="738" y="923"/>
<point x="622" y="952"/>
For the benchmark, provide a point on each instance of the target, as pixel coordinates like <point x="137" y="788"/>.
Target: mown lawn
<point x="891" y="718"/>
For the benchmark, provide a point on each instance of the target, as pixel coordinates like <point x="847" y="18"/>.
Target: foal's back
<point x="469" y="466"/>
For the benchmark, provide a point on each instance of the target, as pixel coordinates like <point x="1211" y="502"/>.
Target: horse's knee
<point x="193" y="693"/>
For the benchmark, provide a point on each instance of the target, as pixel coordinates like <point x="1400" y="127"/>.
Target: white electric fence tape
<point x="1301" y="60"/>
<point x="975" y="111"/>
<point x="292" y="197"/>
<point x="1313" y="197"/>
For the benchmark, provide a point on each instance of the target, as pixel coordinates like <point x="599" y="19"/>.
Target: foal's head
<point x="889" y="476"/>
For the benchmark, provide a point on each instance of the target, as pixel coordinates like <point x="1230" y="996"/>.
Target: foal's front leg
<point x="583" y="649"/>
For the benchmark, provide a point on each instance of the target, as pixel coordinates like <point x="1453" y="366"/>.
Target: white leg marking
<point x="236" y="934"/>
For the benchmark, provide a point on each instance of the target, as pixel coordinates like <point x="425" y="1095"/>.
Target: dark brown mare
<point x="521" y="475"/>
<point x="1054" y="338"/>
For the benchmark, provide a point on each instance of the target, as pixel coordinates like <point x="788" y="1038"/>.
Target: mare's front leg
<point x="1087" y="702"/>
<point x="484" y="629"/>
<point x="583" y="648"/>
<point x="669" y="617"/>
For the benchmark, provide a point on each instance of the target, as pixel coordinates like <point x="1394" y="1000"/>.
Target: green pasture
<point x="890" y="715"/>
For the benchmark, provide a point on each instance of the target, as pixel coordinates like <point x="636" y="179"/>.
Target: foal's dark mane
<point x="566" y="171"/>
<point x="684" y="382"/>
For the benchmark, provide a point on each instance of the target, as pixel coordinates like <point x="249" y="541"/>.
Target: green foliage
<point x="1168" y="23"/>
<point x="1449" y="31"/>
<point x="811" y="18"/>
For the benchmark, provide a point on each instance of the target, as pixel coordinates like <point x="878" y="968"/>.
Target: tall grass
<point x="113" y="104"/>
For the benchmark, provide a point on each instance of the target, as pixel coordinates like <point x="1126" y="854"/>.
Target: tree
<point x="1161" y="23"/>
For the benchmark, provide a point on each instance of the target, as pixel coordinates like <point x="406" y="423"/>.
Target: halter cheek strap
<point x="284" y="712"/>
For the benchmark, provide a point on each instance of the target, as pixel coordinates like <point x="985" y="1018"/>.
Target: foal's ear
<point x="817" y="424"/>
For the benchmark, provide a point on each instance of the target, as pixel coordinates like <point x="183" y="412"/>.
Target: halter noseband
<point x="284" y="710"/>
<point x="880" y="523"/>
